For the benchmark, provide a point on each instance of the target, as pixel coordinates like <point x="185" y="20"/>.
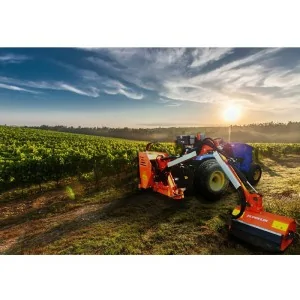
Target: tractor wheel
<point x="210" y="180"/>
<point x="254" y="174"/>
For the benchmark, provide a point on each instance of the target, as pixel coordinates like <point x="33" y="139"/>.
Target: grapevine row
<point x="33" y="156"/>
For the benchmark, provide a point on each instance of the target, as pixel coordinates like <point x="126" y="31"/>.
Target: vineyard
<point x="33" y="156"/>
<point x="81" y="204"/>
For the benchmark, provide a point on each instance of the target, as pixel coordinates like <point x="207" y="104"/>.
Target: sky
<point x="148" y="87"/>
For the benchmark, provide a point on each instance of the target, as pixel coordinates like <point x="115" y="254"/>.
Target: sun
<point x="232" y="113"/>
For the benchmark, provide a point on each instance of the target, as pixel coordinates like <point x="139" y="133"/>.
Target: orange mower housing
<point x="149" y="164"/>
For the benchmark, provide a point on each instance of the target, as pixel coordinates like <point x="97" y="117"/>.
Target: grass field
<point x="120" y="220"/>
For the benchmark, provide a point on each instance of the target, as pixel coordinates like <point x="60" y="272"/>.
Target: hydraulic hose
<point x="243" y="203"/>
<point x="240" y="191"/>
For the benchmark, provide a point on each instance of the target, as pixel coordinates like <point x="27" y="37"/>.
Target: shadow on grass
<point x="129" y="209"/>
<point x="271" y="172"/>
<point x="142" y="211"/>
<point x="38" y="213"/>
<point x="50" y="208"/>
<point x="290" y="161"/>
<point x="145" y="210"/>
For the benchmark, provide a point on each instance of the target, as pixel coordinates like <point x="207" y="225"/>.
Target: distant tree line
<point x="256" y="132"/>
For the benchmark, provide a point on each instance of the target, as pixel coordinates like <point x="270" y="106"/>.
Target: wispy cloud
<point x="91" y="85"/>
<point x="94" y="92"/>
<point x="203" y="56"/>
<point x="163" y="100"/>
<point x="13" y="58"/>
<point x="173" y="104"/>
<point x="111" y="86"/>
<point x="104" y="83"/>
<point x="143" y="67"/>
<point x="16" y="88"/>
<point x="124" y="91"/>
<point x="89" y="91"/>
<point x="111" y="92"/>
<point x="131" y="94"/>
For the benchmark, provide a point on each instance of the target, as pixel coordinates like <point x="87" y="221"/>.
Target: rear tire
<point x="254" y="174"/>
<point x="210" y="180"/>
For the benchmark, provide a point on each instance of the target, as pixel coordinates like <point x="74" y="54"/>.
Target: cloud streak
<point x="10" y="58"/>
<point x="204" y="56"/>
<point x="124" y="91"/>
<point x="110" y="86"/>
<point x="11" y="83"/>
<point x="16" y="88"/>
<point x="173" y="104"/>
<point x="94" y="92"/>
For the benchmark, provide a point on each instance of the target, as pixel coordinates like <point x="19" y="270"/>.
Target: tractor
<point x="209" y="179"/>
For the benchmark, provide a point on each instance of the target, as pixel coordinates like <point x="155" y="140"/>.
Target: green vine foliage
<point x="35" y="156"/>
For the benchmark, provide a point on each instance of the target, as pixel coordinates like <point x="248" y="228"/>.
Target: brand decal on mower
<point x="257" y="218"/>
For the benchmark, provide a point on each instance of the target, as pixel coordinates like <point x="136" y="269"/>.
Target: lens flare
<point x="70" y="192"/>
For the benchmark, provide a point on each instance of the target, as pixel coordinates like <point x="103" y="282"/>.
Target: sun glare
<point x="232" y="113"/>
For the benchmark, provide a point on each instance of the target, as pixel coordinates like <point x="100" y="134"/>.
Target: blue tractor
<point x="209" y="178"/>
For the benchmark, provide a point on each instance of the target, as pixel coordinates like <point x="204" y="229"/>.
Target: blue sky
<point x="146" y="87"/>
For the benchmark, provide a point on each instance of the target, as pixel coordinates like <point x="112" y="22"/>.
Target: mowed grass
<point x="117" y="220"/>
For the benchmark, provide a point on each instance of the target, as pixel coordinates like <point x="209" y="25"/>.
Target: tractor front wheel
<point x="254" y="174"/>
<point x="210" y="180"/>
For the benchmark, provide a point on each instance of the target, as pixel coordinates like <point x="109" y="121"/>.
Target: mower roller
<point x="172" y="176"/>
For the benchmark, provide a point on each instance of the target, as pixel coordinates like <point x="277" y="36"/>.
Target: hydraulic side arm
<point x="251" y="200"/>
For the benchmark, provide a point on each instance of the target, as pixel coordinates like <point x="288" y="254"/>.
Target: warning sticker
<point x="279" y="225"/>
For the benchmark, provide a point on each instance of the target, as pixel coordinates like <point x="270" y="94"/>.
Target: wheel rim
<point x="256" y="175"/>
<point x="217" y="181"/>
